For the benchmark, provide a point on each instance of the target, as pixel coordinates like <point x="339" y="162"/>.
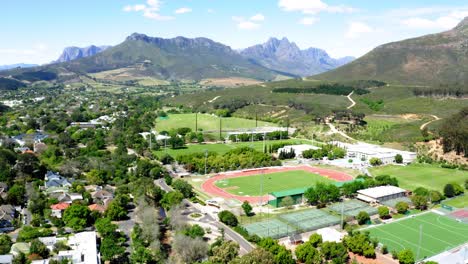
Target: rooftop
<point x="381" y="191"/>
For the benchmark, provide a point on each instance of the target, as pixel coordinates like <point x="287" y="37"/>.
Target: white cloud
<point x="149" y="10"/>
<point x="252" y="23"/>
<point x="442" y="22"/>
<point x="258" y="17"/>
<point x="356" y="29"/>
<point x="210" y="10"/>
<point x="312" y="7"/>
<point x="308" y="21"/>
<point x="183" y="10"/>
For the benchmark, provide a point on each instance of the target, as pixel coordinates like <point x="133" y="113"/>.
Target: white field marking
<point x="399" y="238"/>
<point x="433" y="237"/>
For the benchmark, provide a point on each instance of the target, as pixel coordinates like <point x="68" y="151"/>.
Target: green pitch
<point x="439" y="233"/>
<point x="419" y="175"/>
<point x="206" y="122"/>
<point x="272" y="182"/>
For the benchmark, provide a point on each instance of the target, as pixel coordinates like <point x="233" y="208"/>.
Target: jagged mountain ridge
<point x="283" y="55"/>
<point x="73" y="53"/>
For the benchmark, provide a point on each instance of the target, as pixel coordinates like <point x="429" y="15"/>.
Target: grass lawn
<point x="272" y="182"/>
<point x="439" y="233"/>
<point x="459" y="202"/>
<point x="206" y="122"/>
<point x="223" y="148"/>
<point x="421" y="175"/>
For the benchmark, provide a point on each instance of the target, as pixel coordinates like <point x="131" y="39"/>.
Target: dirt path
<point x="427" y="123"/>
<point x="214" y="99"/>
<point x="333" y="130"/>
<point x="353" y="103"/>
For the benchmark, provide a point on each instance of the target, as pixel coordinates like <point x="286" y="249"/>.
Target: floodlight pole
<point x="261" y="194"/>
<point x="342" y="215"/>
<point x="420" y="239"/>
<point x="196" y="122"/>
<point x="264" y="136"/>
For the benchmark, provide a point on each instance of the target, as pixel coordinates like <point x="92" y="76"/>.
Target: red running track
<point x="209" y="185"/>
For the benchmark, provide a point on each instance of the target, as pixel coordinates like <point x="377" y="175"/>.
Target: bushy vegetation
<point x="330" y="151"/>
<point x="454" y="133"/>
<point x="335" y="89"/>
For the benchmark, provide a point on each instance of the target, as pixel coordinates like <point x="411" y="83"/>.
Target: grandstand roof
<point x="381" y="191"/>
<point x="289" y="192"/>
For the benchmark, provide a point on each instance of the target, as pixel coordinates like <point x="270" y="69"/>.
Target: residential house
<point x="97" y="207"/>
<point x="6" y="259"/>
<point x="55" y="180"/>
<point x="24" y="139"/>
<point x="57" y="209"/>
<point x="7" y="218"/>
<point x="3" y="190"/>
<point x="83" y="249"/>
<point x="67" y="197"/>
<point x="50" y="242"/>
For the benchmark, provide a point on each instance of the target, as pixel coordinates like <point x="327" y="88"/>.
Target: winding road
<point x="353" y="103"/>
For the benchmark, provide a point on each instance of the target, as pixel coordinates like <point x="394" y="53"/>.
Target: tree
<point x="171" y="199"/>
<point x="384" y="213"/>
<point x="258" y="255"/>
<point x="436" y="196"/>
<point x="449" y="191"/>
<point x="307" y="253"/>
<point x="77" y="216"/>
<point x="37" y="247"/>
<point x="21" y="259"/>
<point x="166" y="159"/>
<point x="398" y="158"/>
<point x="228" y="218"/>
<point x="316" y="240"/>
<point x="16" y="194"/>
<point x="225" y="253"/>
<point x="105" y="227"/>
<point x="5" y="244"/>
<point x="466" y="184"/>
<point x="115" y="211"/>
<point x="184" y="187"/>
<point x="406" y="257"/>
<point x="375" y="161"/>
<point x="362" y="217"/>
<point x="110" y="249"/>
<point x="189" y="250"/>
<point x="421" y="191"/>
<point x="419" y="202"/>
<point x="194" y="231"/>
<point x="457" y="188"/>
<point x="247" y="208"/>
<point x="402" y="207"/>
<point x="334" y="251"/>
<point x="287" y="202"/>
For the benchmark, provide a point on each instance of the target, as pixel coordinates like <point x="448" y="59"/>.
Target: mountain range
<point x="433" y="59"/>
<point x="73" y="53"/>
<point x="283" y="55"/>
<point x="17" y="65"/>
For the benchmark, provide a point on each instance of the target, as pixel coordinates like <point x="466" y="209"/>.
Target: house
<point x="97" y="208"/>
<point x="39" y="147"/>
<point x="57" y="209"/>
<point x="67" y="197"/>
<point x="101" y="196"/>
<point x="7" y="218"/>
<point x="55" y="180"/>
<point x="24" y="139"/>
<point x="51" y="241"/>
<point x="83" y="249"/>
<point x="3" y="190"/>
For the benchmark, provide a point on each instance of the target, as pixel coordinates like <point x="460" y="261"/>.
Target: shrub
<point x="402" y="207"/>
<point x="228" y="218"/>
<point x="384" y="213"/>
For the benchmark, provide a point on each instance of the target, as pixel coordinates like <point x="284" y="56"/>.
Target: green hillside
<point x="428" y="60"/>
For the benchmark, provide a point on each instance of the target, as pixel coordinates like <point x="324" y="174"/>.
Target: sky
<point x="36" y="31"/>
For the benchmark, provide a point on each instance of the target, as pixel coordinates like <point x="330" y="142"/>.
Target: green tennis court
<point x="272" y="182"/>
<point x="439" y="233"/>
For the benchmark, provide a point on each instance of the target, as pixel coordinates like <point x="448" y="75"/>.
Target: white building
<point x="366" y="151"/>
<point x="380" y="194"/>
<point x="298" y="149"/>
<point x="84" y="250"/>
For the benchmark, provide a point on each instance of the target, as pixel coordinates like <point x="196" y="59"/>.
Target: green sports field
<point x="206" y="122"/>
<point x="272" y="182"/>
<point x="458" y="202"/>
<point x="421" y="175"/>
<point x="439" y="233"/>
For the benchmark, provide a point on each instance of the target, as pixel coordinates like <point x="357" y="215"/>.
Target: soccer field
<point x="272" y="182"/>
<point x="206" y="122"/>
<point x="419" y="175"/>
<point x="439" y="233"/>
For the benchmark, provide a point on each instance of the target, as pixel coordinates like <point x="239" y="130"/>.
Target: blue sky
<point x="36" y="31"/>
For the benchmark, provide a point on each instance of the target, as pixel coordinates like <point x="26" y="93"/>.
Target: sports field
<point x="439" y="233"/>
<point x="421" y="175"/>
<point x="223" y="148"/>
<point x="206" y="122"/>
<point x="272" y="182"/>
<point x="458" y="202"/>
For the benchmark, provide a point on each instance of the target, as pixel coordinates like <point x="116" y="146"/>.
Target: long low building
<point x="380" y="194"/>
<point x="365" y="151"/>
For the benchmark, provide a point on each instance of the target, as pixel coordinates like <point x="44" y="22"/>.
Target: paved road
<point x="210" y="218"/>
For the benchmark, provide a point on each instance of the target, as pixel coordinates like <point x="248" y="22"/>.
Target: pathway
<point x="427" y="123"/>
<point x="353" y="103"/>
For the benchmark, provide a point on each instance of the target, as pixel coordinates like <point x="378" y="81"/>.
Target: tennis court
<point x="352" y="208"/>
<point x="273" y="228"/>
<point x="309" y="220"/>
<point x="438" y="234"/>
